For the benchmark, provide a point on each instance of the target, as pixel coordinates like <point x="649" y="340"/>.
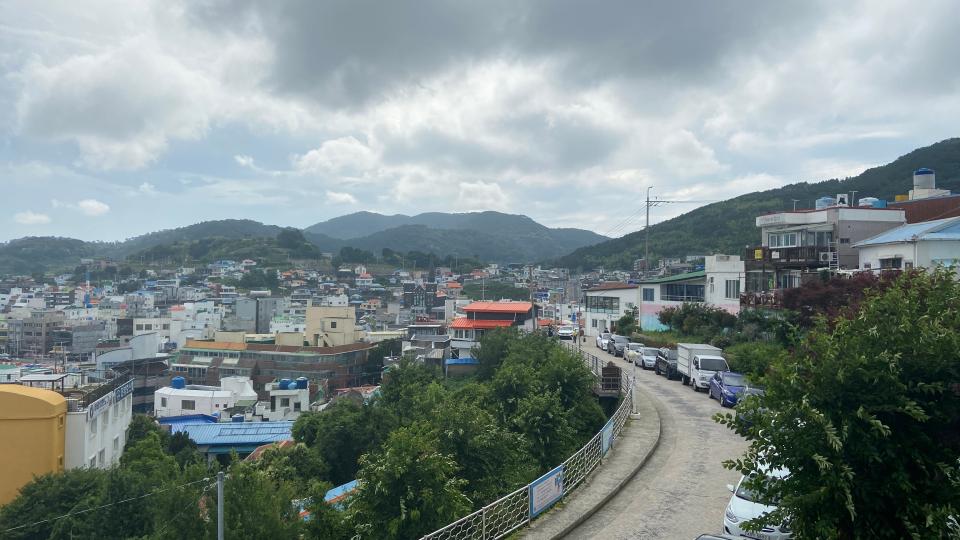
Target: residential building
<point x="926" y="244"/>
<point x="718" y="285"/>
<point x="428" y="341"/>
<point x="483" y="316"/>
<point x="725" y="279"/>
<point x="421" y="298"/>
<point x="288" y="398"/>
<point x="605" y="303"/>
<point x="223" y="438"/>
<point x="181" y="399"/>
<point x="97" y="420"/>
<point x="32" y="427"/>
<point x="33" y="336"/>
<point x="796" y="245"/>
<point x="331" y="326"/>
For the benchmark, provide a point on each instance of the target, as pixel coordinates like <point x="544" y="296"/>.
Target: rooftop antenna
<point x="795" y="201"/>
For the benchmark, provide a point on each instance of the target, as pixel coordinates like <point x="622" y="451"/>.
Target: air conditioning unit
<point x="826" y="256"/>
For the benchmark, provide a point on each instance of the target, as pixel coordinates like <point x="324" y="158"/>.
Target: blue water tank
<point x="236" y="418"/>
<point x="284" y="384"/>
<point x="178" y="382"/>
<point x="302" y="383"/>
<point x="879" y="203"/>
<point x="292" y="385"/>
<point x="825" y="202"/>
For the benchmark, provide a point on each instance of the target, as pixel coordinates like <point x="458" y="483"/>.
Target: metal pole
<point x="646" y="233"/>
<point x="220" y="505"/>
<point x="633" y="386"/>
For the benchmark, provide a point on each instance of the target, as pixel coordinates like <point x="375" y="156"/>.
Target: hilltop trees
<point x="865" y="415"/>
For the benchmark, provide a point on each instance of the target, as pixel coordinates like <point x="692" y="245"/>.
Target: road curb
<point x="626" y="479"/>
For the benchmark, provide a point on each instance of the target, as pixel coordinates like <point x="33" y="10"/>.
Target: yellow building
<point x="32" y="428"/>
<point x="331" y="326"/>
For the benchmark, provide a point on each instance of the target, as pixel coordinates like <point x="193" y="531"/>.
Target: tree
<point x="341" y="434"/>
<point x="291" y="238"/>
<point x="493" y="350"/>
<point x="627" y="325"/>
<point x="754" y="359"/>
<point x="865" y="416"/>
<point x="48" y="496"/>
<point x="255" y="506"/>
<point x="407" y="489"/>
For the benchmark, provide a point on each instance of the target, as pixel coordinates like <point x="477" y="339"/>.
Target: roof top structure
<point x="678" y="277"/>
<point x="242" y="437"/>
<point x="463" y="323"/>
<point x="612" y="286"/>
<point x="499" y="307"/>
<point x="936" y="230"/>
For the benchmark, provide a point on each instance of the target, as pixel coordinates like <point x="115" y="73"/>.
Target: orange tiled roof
<point x="500" y="307"/>
<point x="463" y="323"/>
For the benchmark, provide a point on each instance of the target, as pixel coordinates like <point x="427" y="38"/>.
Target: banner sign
<point x="123" y="391"/>
<point x="606" y="437"/>
<point x="545" y="491"/>
<point x="99" y="406"/>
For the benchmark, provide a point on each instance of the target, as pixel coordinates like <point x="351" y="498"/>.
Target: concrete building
<point x="918" y="245"/>
<point x="9" y="374"/>
<point x="97" y="421"/>
<point x="32" y="336"/>
<point x="484" y="316"/>
<point x="32" y="427"/>
<point x="725" y="279"/>
<point x="796" y="245"/>
<point x="331" y="326"/>
<point x="288" y="398"/>
<point x="718" y="285"/>
<point x="180" y="399"/>
<point x="606" y="303"/>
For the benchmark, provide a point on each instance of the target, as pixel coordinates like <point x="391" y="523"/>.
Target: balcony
<point x="769" y="299"/>
<point x="798" y="255"/>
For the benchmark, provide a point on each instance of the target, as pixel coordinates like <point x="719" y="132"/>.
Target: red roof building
<point x="482" y="316"/>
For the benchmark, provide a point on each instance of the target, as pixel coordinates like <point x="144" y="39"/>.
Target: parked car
<point x="602" y="340"/>
<point x="632" y="351"/>
<point x="745" y="505"/>
<point x="649" y="357"/>
<point x="698" y="362"/>
<point x="727" y="387"/>
<point x="667" y="363"/>
<point x="566" y="332"/>
<point x="616" y="344"/>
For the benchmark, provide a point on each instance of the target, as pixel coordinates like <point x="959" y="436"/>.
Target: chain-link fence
<point x="517" y="509"/>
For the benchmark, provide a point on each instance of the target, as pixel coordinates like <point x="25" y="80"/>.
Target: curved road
<point x="681" y="492"/>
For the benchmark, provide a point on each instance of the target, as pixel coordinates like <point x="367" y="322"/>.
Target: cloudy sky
<point x="118" y="118"/>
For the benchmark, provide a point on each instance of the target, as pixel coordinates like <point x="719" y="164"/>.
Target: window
<point x="163" y="402"/>
<point x="603" y="304"/>
<point x="593" y="323"/>
<point x="93" y="427"/>
<point x="148" y="327"/>
<point x="648" y="294"/>
<point x="93" y="461"/>
<point x="116" y="444"/>
<point x="139" y="327"/>
<point x="844" y="240"/>
<point x="166" y="326"/>
<point x="188" y="405"/>
<point x="681" y="292"/>
<point x="893" y="263"/>
<point x="285" y="402"/>
<point x="776" y="240"/>
<point x="333" y="324"/>
<point x="733" y="288"/>
<point x="106" y="420"/>
<point x="100" y="457"/>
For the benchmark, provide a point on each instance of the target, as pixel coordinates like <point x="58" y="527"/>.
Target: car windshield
<point x="713" y="364"/>
<point x="734" y="379"/>
<point x="635" y="346"/>
<point x="650" y="351"/>
<point x="605" y="335"/>
<point x="748" y="494"/>
<point x="620" y="339"/>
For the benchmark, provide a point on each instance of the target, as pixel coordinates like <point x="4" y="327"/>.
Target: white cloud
<point x="685" y="155"/>
<point x="31" y="218"/>
<point x="148" y="189"/>
<point x="337" y="197"/>
<point x="344" y="155"/>
<point x="244" y="161"/>
<point x="482" y="196"/>
<point x="93" y="207"/>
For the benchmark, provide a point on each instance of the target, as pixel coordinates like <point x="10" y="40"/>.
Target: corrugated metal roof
<point x="465" y="361"/>
<point x="938" y="229"/>
<point x="236" y="433"/>
<point x="500" y="307"/>
<point x="463" y="323"/>
<point x="678" y="277"/>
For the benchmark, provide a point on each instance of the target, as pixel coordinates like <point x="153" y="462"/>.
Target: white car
<point x="744" y="506"/>
<point x="602" y="340"/>
<point x="632" y="353"/>
<point x="566" y="332"/>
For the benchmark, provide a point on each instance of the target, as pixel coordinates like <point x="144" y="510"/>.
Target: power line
<point x="102" y="506"/>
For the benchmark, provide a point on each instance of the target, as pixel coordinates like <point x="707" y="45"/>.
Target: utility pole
<point x="646" y="233"/>
<point x="220" y="505"/>
<point x="853" y="199"/>
<point x="795" y="201"/>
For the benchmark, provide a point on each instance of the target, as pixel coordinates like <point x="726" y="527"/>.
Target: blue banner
<point x="545" y="491"/>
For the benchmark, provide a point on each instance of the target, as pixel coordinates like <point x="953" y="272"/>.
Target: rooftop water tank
<point x="292" y="385"/>
<point x="302" y="383"/>
<point x="868" y="201"/>
<point x="824" y="202"/>
<point x="178" y="382"/>
<point x="284" y="384"/>
<point x="924" y="178"/>
<point x="236" y="418"/>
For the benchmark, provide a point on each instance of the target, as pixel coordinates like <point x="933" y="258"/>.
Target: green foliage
<point x="865" y="415"/>
<point x="754" y="359"/>
<point x="256" y="505"/>
<point x="696" y="319"/>
<point x="408" y="488"/>
<point x="495" y="346"/>
<point x="48" y="496"/>
<point x="341" y="434"/>
<point x="495" y="290"/>
<point x="627" y="325"/>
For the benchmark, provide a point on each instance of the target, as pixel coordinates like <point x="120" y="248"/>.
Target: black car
<point x="617" y="345"/>
<point x="667" y="363"/>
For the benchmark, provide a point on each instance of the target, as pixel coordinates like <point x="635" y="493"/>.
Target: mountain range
<point x="729" y="226"/>
<point x="489" y="236"/>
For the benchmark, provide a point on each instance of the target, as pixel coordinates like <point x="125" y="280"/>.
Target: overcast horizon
<point x="120" y="119"/>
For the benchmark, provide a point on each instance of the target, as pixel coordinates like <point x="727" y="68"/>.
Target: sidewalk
<point x="637" y="441"/>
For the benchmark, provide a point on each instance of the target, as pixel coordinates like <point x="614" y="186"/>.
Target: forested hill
<point x="728" y="226"/>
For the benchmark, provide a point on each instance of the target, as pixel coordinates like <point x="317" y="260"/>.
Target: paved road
<point x="681" y="492"/>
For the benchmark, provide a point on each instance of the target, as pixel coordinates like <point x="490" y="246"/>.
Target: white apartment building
<point x="96" y="432"/>
<point x="181" y="399"/>
<point x="605" y="304"/>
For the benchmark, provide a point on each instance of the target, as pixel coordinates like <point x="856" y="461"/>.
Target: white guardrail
<point x="509" y="513"/>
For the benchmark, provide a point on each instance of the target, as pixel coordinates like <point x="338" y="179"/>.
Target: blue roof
<point x="340" y="491"/>
<point x="186" y="419"/>
<point x="923" y="170"/>
<point x="465" y="361"/>
<point x="236" y="433"/>
<point x="939" y="229"/>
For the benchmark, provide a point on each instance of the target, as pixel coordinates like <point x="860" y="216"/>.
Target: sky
<point x="119" y="118"/>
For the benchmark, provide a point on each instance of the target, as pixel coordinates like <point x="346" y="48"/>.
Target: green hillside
<point x="729" y="226"/>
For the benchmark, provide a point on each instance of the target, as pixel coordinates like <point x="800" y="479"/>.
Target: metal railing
<point x="509" y="513"/>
